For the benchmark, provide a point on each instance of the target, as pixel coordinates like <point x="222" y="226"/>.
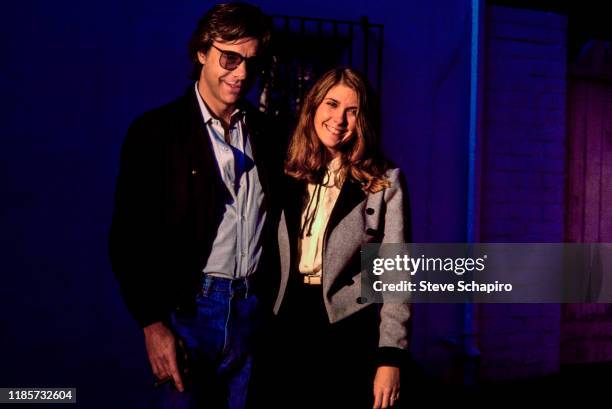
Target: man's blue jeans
<point x="219" y="338"/>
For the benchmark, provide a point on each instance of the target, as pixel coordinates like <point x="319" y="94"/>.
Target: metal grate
<point x="303" y="48"/>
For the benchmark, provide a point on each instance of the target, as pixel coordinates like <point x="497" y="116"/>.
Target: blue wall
<point x="74" y="74"/>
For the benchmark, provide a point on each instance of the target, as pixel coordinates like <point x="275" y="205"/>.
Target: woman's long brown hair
<point x="361" y="157"/>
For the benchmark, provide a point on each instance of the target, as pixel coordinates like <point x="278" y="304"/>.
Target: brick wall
<point x="523" y="177"/>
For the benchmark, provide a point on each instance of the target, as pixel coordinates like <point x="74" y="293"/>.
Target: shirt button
<point x="370" y="211"/>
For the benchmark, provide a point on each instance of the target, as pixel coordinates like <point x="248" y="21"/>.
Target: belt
<point x="312" y="279"/>
<point x="243" y="286"/>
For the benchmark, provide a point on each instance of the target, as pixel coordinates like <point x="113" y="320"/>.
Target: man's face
<point x="221" y="88"/>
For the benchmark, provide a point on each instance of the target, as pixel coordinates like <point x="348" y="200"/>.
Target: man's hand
<point x="386" y="387"/>
<point x="161" y="348"/>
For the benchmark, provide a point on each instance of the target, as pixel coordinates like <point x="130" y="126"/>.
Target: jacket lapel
<point x="350" y="196"/>
<point x="201" y="140"/>
<point x="293" y="204"/>
<point x="256" y="138"/>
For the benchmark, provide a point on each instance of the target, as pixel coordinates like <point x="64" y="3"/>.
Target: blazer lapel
<point x="350" y="196"/>
<point x="255" y="135"/>
<point x="199" y="133"/>
<point x="293" y="204"/>
<point x="203" y="158"/>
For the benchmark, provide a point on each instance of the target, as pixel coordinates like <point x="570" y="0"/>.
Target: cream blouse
<point x="321" y="200"/>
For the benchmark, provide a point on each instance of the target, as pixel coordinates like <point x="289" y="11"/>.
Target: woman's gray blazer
<point x="357" y="218"/>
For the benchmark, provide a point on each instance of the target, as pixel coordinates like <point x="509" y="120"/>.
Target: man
<point x="191" y="216"/>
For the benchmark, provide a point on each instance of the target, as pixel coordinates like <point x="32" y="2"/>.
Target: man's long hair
<point x="361" y="157"/>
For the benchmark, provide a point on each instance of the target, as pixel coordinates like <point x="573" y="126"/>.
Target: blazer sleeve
<point x="395" y="318"/>
<point x="135" y="242"/>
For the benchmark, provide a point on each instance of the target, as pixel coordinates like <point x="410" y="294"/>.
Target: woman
<point x="341" y="194"/>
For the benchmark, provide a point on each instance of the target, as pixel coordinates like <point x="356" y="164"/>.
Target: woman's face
<point x="335" y="119"/>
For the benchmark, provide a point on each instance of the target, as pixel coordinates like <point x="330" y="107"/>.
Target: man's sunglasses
<point x="230" y="60"/>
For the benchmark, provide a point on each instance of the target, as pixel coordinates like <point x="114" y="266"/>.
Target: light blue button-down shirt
<point x="238" y="243"/>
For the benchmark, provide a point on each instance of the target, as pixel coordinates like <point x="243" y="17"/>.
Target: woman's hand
<point x="386" y="387"/>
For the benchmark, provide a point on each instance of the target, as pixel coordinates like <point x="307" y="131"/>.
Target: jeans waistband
<point x="242" y="287"/>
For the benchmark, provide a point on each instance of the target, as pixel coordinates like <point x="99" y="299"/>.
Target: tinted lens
<point x="229" y="60"/>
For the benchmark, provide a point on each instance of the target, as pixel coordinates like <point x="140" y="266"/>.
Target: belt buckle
<point x="312" y="280"/>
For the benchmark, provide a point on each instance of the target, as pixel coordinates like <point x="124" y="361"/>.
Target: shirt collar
<point x="237" y="115"/>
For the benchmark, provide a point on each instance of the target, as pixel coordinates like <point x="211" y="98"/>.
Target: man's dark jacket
<point x="169" y="203"/>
